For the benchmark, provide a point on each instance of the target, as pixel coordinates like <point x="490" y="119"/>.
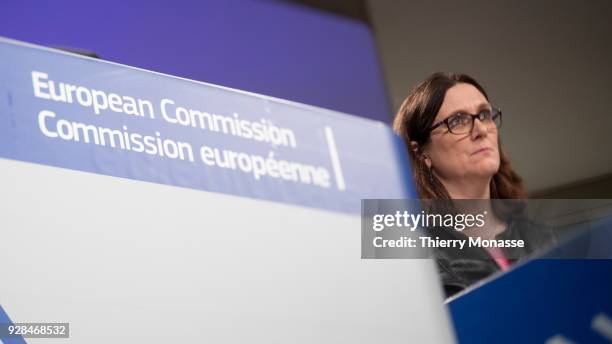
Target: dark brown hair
<point x="412" y="123"/>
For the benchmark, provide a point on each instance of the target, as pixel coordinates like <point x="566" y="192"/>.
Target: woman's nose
<point x="479" y="129"/>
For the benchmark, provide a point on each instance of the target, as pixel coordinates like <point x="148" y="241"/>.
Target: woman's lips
<point x="482" y="150"/>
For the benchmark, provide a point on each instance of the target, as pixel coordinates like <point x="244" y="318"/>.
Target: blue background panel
<point x="269" y="47"/>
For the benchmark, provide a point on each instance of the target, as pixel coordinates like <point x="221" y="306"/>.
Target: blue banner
<point x="16" y="339"/>
<point x="547" y="300"/>
<point x="75" y="112"/>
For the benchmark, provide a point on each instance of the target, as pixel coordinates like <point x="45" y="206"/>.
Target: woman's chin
<point x="486" y="168"/>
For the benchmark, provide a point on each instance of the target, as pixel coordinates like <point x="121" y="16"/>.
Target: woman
<point x="451" y="131"/>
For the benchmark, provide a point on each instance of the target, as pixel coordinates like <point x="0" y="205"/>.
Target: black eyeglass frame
<point x="495" y="112"/>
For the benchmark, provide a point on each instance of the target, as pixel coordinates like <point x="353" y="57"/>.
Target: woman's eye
<point x="460" y="119"/>
<point x="455" y="121"/>
<point x="485" y="114"/>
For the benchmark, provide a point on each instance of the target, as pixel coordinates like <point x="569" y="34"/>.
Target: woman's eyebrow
<point x="481" y="106"/>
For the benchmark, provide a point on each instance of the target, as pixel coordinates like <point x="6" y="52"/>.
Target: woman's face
<point x="466" y="156"/>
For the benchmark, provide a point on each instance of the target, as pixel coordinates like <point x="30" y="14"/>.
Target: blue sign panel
<point x="545" y="301"/>
<point x="5" y="320"/>
<point x="79" y="113"/>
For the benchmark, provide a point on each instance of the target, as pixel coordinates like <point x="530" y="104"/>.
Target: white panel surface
<point x="130" y="261"/>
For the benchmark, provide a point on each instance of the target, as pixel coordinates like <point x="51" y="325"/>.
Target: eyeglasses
<point x="463" y="123"/>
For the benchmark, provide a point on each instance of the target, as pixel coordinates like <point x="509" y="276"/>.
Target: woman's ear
<point x="414" y="146"/>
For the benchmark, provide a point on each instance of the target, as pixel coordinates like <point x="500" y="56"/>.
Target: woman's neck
<point x="473" y="189"/>
<point x="476" y="190"/>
